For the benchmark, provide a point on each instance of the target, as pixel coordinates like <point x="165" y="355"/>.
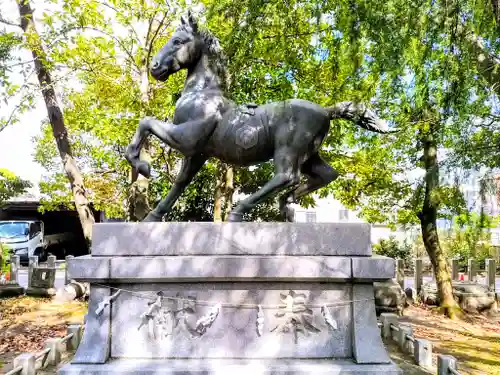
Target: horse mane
<point x="216" y="55"/>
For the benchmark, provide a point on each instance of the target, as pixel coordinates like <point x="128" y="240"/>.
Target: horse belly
<point x="242" y="139"/>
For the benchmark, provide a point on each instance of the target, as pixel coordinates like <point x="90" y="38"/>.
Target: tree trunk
<point x="218" y="197"/>
<point x="428" y="218"/>
<point x="56" y="119"/>
<point x="139" y="187"/>
<point x="228" y="191"/>
<point x="223" y="200"/>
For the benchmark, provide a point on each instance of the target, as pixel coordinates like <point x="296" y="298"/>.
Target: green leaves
<point x="415" y="62"/>
<point x="11" y="185"/>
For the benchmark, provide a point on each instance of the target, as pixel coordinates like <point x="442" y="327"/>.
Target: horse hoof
<point x="152" y="217"/>
<point x="235" y="217"/>
<point x="144" y="168"/>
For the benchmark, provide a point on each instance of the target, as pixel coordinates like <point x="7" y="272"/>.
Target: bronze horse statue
<point x="207" y="124"/>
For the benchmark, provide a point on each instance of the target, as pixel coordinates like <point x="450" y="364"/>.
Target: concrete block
<point x="11" y="290"/>
<point x="491" y="274"/>
<point x="56" y="348"/>
<point x="226" y="268"/>
<point x="471" y="270"/>
<point x="33" y="263"/>
<point x="405" y="330"/>
<point x="233" y="333"/>
<point x="196" y="238"/>
<point x="445" y="363"/>
<point x="73" y="342"/>
<point x="90" y="268"/>
<point x="388" y="319"/>
<point x="454" y="269"/>
<point x="418" y="277"/>
<point x="422" y="350"/>
<point x="15" y="265"/>
<point x="95" y="343"/>
<point x="28" y="363"/>
<point x="375" y="268"/>
<point x="367" y="343"/>
<point x="210" y="366"/>
<point x="400" y="272"/>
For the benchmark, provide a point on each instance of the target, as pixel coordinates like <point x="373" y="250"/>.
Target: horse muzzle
<point x="161" y="71"/>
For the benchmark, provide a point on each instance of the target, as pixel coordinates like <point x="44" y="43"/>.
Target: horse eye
<point x="177" y="42"/>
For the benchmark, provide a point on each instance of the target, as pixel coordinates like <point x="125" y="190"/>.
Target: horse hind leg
<point x="319" y="174"/>
<point x="286" y="176"/>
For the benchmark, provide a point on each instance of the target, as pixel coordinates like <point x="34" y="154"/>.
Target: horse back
<point x="244" y="135"/>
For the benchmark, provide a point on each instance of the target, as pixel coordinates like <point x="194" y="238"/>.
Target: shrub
<point x="4" y="257"/>
<point x="393" y="248"/>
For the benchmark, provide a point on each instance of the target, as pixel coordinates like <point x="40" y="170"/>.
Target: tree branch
<point x="7" y="22"/>
<point x="119" y="12"/>
<point x="129" y="53"/>
<point x="151" y="43"/>
<point x="297" y="34"/>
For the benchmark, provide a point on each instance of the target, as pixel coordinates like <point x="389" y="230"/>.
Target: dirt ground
<point x="25" y="323"/>
<point x="474" y="341"/>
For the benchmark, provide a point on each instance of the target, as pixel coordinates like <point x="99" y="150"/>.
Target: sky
<point x="16" y="145"/>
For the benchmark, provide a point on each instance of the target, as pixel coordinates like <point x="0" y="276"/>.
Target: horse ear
<point x="192" y="21"/>
<point x="183" y="20"/>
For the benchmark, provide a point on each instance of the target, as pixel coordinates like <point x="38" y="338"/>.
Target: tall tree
<point x="33" y="42"/>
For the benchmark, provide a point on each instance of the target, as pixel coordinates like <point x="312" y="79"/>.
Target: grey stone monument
<point x="226" y="298"/>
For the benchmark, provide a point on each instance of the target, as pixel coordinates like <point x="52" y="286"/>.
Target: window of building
<point x="343" y="215"/>
<point x="310" y="217"/>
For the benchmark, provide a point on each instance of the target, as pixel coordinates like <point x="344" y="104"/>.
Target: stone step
<point x="241" y="367"/>
<point x="200" y="238"/>
<point x="218" y="268"/>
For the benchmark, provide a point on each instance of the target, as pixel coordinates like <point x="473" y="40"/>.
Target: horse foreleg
<point x="133" y="151"/>
<point x="190" y="166"/>
<point x="188" y="138"/>
<point x="287" y="175"/>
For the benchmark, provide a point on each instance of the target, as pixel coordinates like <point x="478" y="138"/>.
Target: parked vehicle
<point x="27" y="238"/>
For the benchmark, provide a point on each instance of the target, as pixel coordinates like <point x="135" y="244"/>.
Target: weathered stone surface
<point x="194" y="238"/>
<point x="389" y="297"/>
<point x="41" y="292"/>
<point x="233" y="334"/>
<point x="231" y="367"/>
<point x="43" y="278"/>
<point x="411" y="295"/>
<point x="260" y="282"/>
<point x="373" y="268"/>
<point x="367" y="343"/>
<point x="88" y="267"/>
<point x="472" y="297"/>
<point x="11" y="290"/>
<point x="227" y="267"/>
<point x="95" y="345"/>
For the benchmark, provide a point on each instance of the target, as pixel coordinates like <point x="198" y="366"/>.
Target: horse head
<point x="181" y="51"/>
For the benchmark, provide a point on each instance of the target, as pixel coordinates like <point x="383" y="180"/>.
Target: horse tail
<point x="361" y="115"/>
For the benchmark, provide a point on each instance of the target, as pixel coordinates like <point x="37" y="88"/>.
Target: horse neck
<point x="202" y="76"/>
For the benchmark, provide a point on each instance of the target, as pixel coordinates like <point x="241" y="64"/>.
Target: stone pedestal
<point x="220" y="298"/>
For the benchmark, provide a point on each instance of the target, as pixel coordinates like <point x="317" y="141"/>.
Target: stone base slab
<point x="212" y="268"/>
<point x="41" y="292"/>
<point x="195" y="238"/>
<point x="11" y="290"/>
<point x="230" y="367"/>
